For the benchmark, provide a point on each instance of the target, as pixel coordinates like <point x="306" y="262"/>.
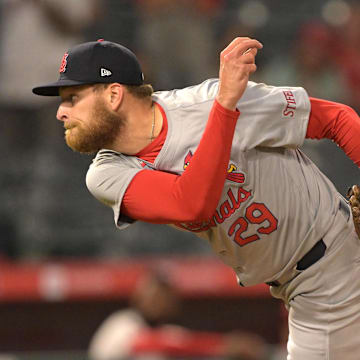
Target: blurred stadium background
<point x="63" y="266"/>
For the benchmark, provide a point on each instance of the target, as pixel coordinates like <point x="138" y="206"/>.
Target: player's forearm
<point x="194" y="195"/>
<point x="337" y="122"/>
<point x="205" y="176"/>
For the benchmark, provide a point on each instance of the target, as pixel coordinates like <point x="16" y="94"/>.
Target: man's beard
<point x="100" y="130"/>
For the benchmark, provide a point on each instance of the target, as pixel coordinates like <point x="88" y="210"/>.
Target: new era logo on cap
<point x="105" y="72"/>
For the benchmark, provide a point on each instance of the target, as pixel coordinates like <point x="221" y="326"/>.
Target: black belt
<point x="318" y="250"/>
<point x="310" y="258"/>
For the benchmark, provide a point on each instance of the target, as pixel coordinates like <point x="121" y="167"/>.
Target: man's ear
<point x="115" y="95"/>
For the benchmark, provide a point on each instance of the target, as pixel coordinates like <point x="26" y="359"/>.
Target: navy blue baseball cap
<point x="95" y="62"/>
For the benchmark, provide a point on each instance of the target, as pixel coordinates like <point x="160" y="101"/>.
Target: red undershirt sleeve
<point x="337" y="122"/>
<point x="161" y="197"/>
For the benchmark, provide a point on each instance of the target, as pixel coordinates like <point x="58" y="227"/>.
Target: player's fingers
<point x="250" y="51"/>
<point x="243" y="48"/>
<point x="248" y="57"/>
<point x="250" y="68"/>
<point x="234" y="43"/>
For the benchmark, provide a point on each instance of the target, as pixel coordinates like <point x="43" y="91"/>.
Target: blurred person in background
<point x="33" y="36"/>
<point x="146" y="329"/>
<point x="346" y="53"/>
<point x="310" y="63"/>
<point x="176" y="40"/>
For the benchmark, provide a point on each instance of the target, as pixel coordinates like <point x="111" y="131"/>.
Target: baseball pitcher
<point x="221" y="159"/>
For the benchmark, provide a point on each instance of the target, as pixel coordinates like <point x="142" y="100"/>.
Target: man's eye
<point x="70" y="99"/>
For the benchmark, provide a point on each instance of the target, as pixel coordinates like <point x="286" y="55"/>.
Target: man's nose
<point x="62" y="113"/>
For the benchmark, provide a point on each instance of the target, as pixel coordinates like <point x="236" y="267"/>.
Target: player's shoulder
<point x="106" y="156"/>
<point x="189" y="96"/>
<point x="106" y="159"/>
<point x="263" y="88"/>
<point x="109" y="165"/>
<point x="207" y="90"/>
<point x="269" y="95"/>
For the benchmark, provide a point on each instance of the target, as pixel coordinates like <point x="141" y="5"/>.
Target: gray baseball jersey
<point x="275" y="204"/>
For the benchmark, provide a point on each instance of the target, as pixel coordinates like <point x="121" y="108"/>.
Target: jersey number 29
<point x="255" y="213"/>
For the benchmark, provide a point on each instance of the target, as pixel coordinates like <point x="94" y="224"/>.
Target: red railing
<point x="85" y="279"/>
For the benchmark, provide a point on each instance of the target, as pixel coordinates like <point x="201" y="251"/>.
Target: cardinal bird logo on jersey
<point x="232" y="174"/>
<point x="187" y="159"/>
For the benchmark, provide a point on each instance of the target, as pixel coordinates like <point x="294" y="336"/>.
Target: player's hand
<point x="237" y="62"/>
<point x="354" y="199"/>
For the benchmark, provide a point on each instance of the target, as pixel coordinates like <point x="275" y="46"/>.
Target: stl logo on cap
<point x="63" y="63"/>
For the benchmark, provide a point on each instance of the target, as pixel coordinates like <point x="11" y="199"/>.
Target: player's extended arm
<point x="337" y="122"/>
<point x="341" y="124"/>
<point x="161" y="197"/>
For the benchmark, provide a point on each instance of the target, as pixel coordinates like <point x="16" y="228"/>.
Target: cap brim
<point x="53" y="88"/>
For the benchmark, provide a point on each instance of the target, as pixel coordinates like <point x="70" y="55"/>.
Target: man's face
<point x="90" y="125"/>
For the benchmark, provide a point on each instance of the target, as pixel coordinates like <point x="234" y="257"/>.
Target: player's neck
<point x="143" y="125"/>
